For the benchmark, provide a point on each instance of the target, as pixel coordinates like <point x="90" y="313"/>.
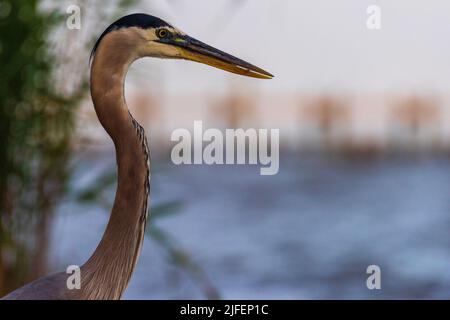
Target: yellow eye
<point x="162" y="33"/>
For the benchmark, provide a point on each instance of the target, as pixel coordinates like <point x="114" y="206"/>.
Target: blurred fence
<point x="367" y="124"/>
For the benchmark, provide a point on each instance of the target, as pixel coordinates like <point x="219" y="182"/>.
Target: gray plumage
<point x="107" y="272"/>
<point x="52" y="287"/>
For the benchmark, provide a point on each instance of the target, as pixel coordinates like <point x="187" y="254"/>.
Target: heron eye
<point x="162" y="33"/>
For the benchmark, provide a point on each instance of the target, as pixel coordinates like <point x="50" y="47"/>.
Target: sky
<point x="310" y="46"/>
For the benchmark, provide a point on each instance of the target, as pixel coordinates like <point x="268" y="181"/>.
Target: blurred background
<point x="365" y="149"/>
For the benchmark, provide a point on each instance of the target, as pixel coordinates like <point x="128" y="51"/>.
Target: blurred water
<point x="309" y="232"/>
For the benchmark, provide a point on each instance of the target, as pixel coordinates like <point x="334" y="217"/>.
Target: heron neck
<point x="107" y="272"/>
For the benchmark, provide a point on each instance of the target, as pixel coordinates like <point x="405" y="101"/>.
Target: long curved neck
<point x="107" y="272"/>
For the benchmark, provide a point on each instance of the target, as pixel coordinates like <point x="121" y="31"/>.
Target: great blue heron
<point x="107" y="272"/>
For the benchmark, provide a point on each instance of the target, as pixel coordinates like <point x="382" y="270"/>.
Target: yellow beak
<point x="194" y="50"/>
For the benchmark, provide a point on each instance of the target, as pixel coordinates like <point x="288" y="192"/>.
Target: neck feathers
<point x="107" y="273"/>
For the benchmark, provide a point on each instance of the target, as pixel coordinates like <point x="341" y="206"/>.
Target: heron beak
<point x="194" y="50"/>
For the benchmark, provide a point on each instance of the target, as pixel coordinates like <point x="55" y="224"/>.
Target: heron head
<point x="153" y="37"/>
